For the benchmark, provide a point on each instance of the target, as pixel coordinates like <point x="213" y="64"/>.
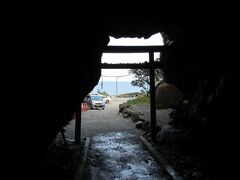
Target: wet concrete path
<point x="121" y="156"/>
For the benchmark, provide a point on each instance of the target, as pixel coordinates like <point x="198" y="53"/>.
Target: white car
<point x="107" y="99"/>
<point x="96" y="101"/>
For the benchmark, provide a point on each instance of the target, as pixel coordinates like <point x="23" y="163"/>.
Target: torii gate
<point x="152" y="65"/>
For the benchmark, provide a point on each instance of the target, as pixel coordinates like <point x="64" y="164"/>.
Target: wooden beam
<point x="83" y="160"/>
<point x="161" y="160"/>
<point x="134" y="49"/>
<point x="155" y="65"/>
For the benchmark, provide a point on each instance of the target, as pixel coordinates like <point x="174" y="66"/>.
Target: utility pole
<point x="102" y="84"/>
<point x="116" y="86"/>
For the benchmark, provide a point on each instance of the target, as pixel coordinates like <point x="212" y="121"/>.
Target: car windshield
<point x="97" y="98"/>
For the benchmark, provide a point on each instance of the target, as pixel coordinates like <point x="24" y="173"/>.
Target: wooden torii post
<point x="78" y="121"/>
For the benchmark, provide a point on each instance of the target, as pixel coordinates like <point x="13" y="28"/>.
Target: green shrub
<point x="139" y="100"/>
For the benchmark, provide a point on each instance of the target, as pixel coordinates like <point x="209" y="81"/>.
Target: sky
<point x="155" y="39"/>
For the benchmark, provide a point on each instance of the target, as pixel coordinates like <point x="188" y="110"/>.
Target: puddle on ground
<point x="121" y="155"/>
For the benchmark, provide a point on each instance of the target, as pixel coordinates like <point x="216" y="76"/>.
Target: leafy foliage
<point x="104" y="93"/>
<point x="142" y="78"/>
<point x="139" y="100"/>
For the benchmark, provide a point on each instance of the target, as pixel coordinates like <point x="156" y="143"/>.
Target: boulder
<point x="167" y="95"/>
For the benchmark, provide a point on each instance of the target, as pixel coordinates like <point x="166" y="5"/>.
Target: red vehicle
<point x="84" y="106"/>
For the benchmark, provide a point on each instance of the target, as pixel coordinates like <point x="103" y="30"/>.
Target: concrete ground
<point x="115" y="152"/>
<point x="102" y="121"/>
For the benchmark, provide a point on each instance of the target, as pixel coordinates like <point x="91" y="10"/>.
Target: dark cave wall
<point x="201" y="65"/>
<point x="56" y="64"/>
<point x="59" y="64"/>
<point x="72" y="69"/>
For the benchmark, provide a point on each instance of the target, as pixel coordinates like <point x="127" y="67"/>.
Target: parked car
<point x="95" y="101"/>
<point x="107" y="99"/>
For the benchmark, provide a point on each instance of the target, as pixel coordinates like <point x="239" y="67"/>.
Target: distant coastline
<point x="110" y="87"/>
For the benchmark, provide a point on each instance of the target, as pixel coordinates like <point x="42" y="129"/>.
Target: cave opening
<point x="122" y="58"/>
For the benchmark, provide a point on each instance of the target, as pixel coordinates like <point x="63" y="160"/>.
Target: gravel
<point x="102" y="121"/>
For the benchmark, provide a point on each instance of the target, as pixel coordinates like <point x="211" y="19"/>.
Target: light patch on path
<point x="121" y="155"/>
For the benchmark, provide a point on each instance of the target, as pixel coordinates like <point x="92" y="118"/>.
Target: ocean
<point x="110" y="87"/>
